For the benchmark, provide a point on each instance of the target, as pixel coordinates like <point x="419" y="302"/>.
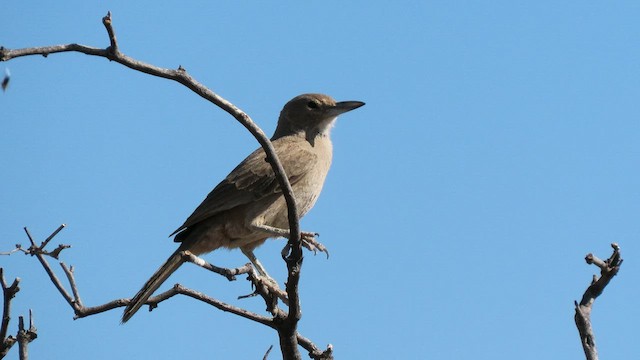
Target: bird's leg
<point x="262" y="272"/>
<point x="308" y="238"/>
<point x="266" y="280"/>
<point x="258" y="266"/>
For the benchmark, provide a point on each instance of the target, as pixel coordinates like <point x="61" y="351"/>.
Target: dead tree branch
<point x="179" y="75"/>
<point x="267" y="291"/>
<point x="608" y="269"/>
<point x="8" y="292"/>
<point x="24" y="336"/>
<point x="284" y="322"/>
<point x="74" y="299"/>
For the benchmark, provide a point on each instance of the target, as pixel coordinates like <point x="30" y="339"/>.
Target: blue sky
<point x="498" y="146"/>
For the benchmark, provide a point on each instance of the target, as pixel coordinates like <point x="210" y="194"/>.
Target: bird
<point x="247" y="207"/>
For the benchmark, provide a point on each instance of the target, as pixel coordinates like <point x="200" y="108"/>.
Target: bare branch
<point x="25" y="336"/>
<point x="50" y="237"/>
<point x="284" y="322"/>
<point x="17" y="248"/>
<point x="314" y="351"/>
<point x="230" y="274"/>
<point x="287" y="325"/>
<point x="72" y="282"/>
<point x="266" y="355"/>
<point x="269" y="292"/>
<point x="75" y="302"/>
<point x="179" y="289"/>
<point x="106" y="21"/>
<point x="608" y="269"/>
<point x="180" y="75"/>
<point x="39" y="254"/>
<point x="8" y="292"/>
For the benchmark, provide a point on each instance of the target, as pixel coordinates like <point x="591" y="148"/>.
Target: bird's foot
<point x="309" y="241"/>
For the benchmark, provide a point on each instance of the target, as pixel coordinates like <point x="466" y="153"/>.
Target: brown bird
<point x="247" y="207"/>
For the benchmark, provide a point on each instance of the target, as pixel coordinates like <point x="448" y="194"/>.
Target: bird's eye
<point x="312" y="105"/>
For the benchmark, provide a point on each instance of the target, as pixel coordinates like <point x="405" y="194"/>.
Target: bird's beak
<point x="344" y="106"/>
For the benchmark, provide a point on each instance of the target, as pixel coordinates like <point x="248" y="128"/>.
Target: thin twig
<point x="106" y="21"/>
<point x="17" y="248"/>
<point x="266" y="355"/>
<point x="179" y="289"/>
<point x="230" y="274"/>
<point x="74" y="287"/>
<point x="50" y="237"/>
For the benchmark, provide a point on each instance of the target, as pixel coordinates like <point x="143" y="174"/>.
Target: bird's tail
<point x="160" y="276"/>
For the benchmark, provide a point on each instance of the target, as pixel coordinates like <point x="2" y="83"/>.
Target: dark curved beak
<point x="344" y="106"/>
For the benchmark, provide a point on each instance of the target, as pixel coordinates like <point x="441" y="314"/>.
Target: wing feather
<point x="252" y="180"/>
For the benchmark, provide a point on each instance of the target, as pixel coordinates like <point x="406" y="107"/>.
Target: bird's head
<point x="311" y="115"/>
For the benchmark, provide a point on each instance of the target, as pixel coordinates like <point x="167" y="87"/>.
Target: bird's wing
<point x="252" y="180"/>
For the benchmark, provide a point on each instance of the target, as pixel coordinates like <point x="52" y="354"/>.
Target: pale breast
<point x="308" y="188"/>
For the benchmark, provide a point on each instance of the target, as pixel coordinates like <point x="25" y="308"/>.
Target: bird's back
<point x="251" y="193"/>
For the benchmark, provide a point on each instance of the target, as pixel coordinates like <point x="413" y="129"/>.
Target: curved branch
<point x="288" y="321"/>
<point x="179" y="75"/>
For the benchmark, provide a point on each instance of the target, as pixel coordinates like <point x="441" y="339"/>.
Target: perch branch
<point x="268" y="291"/>
<point x="230" y="274"/>
<point x="608" y="269"/>
<point x="179" y="289"/>
<point x="75" y="301"/>
<point x="181" y="76"/>
<point x="287" y="322"/>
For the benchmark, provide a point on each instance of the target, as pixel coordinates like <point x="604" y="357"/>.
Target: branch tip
<point x="106" y="21"/>
<point x="589" y="258"/>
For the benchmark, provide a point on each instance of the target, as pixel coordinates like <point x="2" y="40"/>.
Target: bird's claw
<point x="309" y="241"/>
